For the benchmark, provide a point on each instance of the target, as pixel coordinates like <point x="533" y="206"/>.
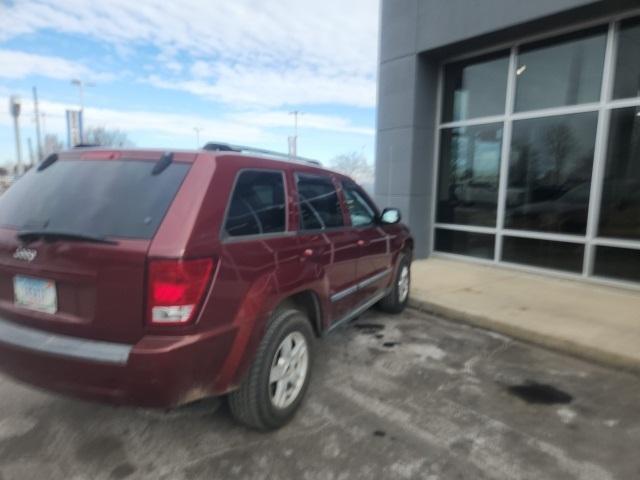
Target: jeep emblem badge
<point x="25" y="254"/>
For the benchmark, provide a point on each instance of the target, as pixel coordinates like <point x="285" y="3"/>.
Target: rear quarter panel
<point x="253" y="278"/>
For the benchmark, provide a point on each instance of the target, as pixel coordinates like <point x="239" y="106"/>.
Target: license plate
<point x="35" y="294"/>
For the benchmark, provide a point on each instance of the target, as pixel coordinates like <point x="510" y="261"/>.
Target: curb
<point x="585" y="352"/>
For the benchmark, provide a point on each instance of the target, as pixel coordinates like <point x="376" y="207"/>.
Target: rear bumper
<point x="71" y="347"/>
<point x="158" y="371"/>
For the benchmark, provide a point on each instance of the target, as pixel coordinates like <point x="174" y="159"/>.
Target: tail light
<point x="176" y="289"/>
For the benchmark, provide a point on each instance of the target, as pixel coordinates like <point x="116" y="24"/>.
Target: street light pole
<point x="37" y="117"/>
<point x="80" y="84"/>
<point x="14" y="108"/>
<point x="293" y="141"/>
<point x="197" y="130"/>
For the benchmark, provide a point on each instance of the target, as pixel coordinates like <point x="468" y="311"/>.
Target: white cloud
<point x="246" y="51"/>
<point x="268" y="87"/>
<point x="345" y="33"/>
<point x="243" y="128"/>
<point x="201" y="69"/>
<point x="17" y="65"/>
<point x="136" y="121"/>
<point x="174" y="66"/>
<point x="282" y="119"/>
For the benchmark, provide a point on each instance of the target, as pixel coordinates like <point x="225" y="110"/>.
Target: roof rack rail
<point x="86" y="145"/>
<point x="226" y="147"/>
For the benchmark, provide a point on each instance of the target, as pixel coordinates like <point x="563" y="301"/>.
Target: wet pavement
<point x="409" y="396"/>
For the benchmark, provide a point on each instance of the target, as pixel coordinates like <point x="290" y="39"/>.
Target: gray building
<point x="508" y="132"/>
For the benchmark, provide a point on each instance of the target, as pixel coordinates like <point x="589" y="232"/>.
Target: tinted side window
<point x="319" y="203"/>
<point x="257" y="204"/>
<point x="360" y="210"/>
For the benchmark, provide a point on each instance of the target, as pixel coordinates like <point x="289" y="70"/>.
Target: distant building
<point x="509" y="131"/>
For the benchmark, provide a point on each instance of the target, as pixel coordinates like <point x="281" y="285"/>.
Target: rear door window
<point x="106" y="198"/>
<point x="319" y="203"/>
<point x="258" y="204"/>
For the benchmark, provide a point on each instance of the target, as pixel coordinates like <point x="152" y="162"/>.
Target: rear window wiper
<point x="29" y="236"/>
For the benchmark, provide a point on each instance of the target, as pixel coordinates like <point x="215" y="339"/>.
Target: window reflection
<point x="550" y="170"/>
<point x="627" y="79"/>
<point x="361" y="212"/>
<point x="479" y="245"/>
<point x="475" y="88"/>
<point x="318" y="202"/>
<point x="468" y="175"/>
<point x="618" y="263"/>
<point x="566" y="71"/>
<point x="543" y="253"/>
<point x="620" y="211"/>
<point x="551" y="157"/>
<point x="257" y="205"/>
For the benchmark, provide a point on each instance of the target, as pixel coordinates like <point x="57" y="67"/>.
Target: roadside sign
<point x="74" y="127"/>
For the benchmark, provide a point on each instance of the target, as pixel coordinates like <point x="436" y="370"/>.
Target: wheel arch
<point x="308" y="302"/>
<point x="408" y="247"/>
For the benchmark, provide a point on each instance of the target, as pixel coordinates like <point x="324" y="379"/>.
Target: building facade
<point x="508" y="132"/>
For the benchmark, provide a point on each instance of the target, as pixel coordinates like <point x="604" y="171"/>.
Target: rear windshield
<point x="107" y="198"/>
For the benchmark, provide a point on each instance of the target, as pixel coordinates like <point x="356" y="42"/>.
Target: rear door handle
<point x="361" y="243"/>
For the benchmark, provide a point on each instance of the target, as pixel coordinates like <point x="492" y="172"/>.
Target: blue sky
<point x="234" y="69"/>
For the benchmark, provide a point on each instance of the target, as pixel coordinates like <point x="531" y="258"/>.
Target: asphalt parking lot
<point x="392" y="397"/>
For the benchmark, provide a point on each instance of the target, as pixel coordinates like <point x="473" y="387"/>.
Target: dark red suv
<point x="155" y="279"/>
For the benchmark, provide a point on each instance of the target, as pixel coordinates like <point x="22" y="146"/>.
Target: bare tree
<point x="355" y="165"/>
<point x="560" y="143"/>
<point x="52" y="144"/>
<point x="107" y="137"/>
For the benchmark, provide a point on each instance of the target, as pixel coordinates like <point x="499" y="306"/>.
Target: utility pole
<point x="14" y="108"/>
<point x="197" y="130"/>
<point x="30" y="145"/>
<point x="43" y="115"/>
<point x="293" y="141"/>
<point x="80" y="84"/>
<point x="37" y="115"/>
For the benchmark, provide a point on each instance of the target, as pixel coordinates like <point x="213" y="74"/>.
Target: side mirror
<point x="390" y="216"/>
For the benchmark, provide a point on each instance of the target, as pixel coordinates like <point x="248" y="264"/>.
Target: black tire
<point x="251" y="404"/>
<point x="392" y="303"/>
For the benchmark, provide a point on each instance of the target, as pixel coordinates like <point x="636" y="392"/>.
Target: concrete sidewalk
<point x="595" y="322"/>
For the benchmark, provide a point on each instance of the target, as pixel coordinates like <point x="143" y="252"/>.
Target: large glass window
<point x="543" y="253"/>
<point x="550" y="168"/>
<point x="479" y="245"/>
<point x="618" y="263"/>
<point x="257" y="205"/>
<point x="468" y="175"/>
<point x="620" y="211"/>
<point x="475" y="88"/>
<point x="559" y="72"/>
<point x="627" y="79"/>
<point x="535" y="207"/>
<point x="319" y="203"/>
